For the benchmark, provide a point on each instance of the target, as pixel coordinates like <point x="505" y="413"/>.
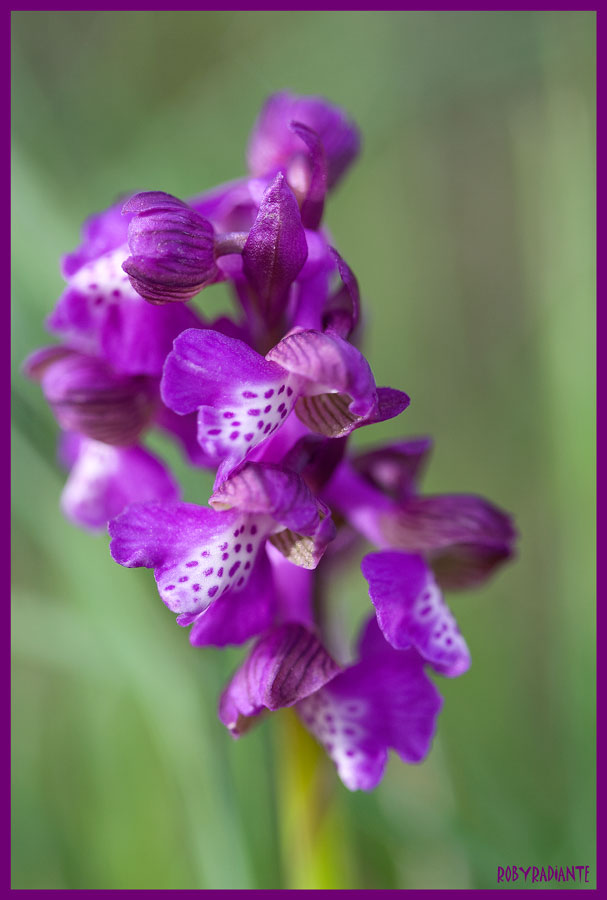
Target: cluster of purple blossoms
<point x="268" y="399"/>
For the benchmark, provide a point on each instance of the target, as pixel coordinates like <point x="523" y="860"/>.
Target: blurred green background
<point x="469" y="220"/>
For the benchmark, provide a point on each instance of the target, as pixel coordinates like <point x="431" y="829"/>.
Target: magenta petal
<point x="314" y="200"/>
<point x="275" y="250"/>
<point x="104" y="480"/>
<point x="384" y="701"/>
<point x="329" y="364"/>
<point x="239" y="615"/>
<point x="273" y="145"/>
<point x="342" y="311"/>
<point x="283" y="667"/>
<point x="411" y="611"/>
<point x="198" y="554"/>
<point x="270" y="490"/>
<point x="395" y="469"/>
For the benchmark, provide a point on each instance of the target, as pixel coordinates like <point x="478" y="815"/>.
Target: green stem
<point x="312" y="835"/>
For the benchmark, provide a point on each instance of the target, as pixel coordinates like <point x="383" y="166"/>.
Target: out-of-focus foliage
<point x="469" y="221"/>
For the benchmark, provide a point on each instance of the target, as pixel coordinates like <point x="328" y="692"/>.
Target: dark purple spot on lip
<point x="281" y="407"/>
<point x="234" y="435"/>
<point x="269" y="393"/>
<point x="281" y="388"/>
<point x="208" y="572"/>
<point x="192" y="563"/>
<point x="224" y="546"/>
<point x="237" y="532"/>
<point x="253" y="529"/>
<point x="349" y="731"/>
<point x="247" y="565"/>
<point x="249" y="395"/>
<point x="283" y="414"/>
<point x="289" y="391"/>
<point x="220" y="572"/>
<point x="249" y="548"/>
<point x="268" y="408"/>
<point x="225" y="556"/>
<point x="234" y="568"/>
<point x="449" y="642"/>
<point x="93" y="287"/>
<point x="237" y="548"/>
<point x="349" y="752"/>
<point x="212" y="591"/>
<point x="228" y="415"/>
<point x="116" y="293"/>
<point x="184" y="578"/>
<point x="249" y="436"/>
<point x="170" y="587"/>
<point x="206" y="552"/>
<point x="195" y="587"/>
<point x="253" y="412"/>
<point x="260" y="423"/>
<point x="98" y="301"/>
<point x="235" y="424"/>
<point x="267" y="428"/>
<point x="425" y="610"/>
<point x="214" y="431"/>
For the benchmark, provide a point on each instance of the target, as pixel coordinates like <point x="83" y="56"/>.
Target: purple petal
<point x="359" y="501"/>
<point x="395" y="469"/>
<point x="328" y="363"/>
<point x="273" y="145"/>
<point x="283" y="667"/>
<point x="384" y="701"/>
<point x="229" y="207"/>
<point x="105" y="479"/>
<point x="411" y="611"/>
<point x="466" y="536"/>
<point x="343" y="309"/>
<point x="294" y="588"/>
<point x="172" y="248"/>
<point x="197" y="554"/>
<point x="88" y="397"/>
<point x="275" y="251"/>
<point x="242" y="398"/>
<point x="238" y="615"/>
<point x="314" y="199"/>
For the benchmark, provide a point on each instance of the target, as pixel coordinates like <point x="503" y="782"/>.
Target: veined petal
<point x="275" y="250"/>
<point x="283" y="667"/>
<point x="329" y="364"/>
<point x="172" y="248"/>
<point x="241" y="398"/>
<point x="411" y="611"/>
<point x="342" y="311"/>
<point x="383" y="701"/>
<point x="465" y="536"/>
<point x="106" y="479"/>
<point x="197" y="554"/>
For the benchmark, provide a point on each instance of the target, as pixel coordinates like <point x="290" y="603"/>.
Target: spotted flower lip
<point x="274" y="145"/>
<point x="242" y="398"/>
<point x="411" y="611"/>
<point x="87" y="397"/>
<point x="384" y="700"/>
<point x="286" y="665"/>
<point x="172" y="248"/>
<point x="199" y="555"/>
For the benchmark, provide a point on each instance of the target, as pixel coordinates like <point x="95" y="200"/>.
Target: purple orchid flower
<point x="383" y="701"/>
<point x="242" y="398"/>
<point x="210" y="564"/>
